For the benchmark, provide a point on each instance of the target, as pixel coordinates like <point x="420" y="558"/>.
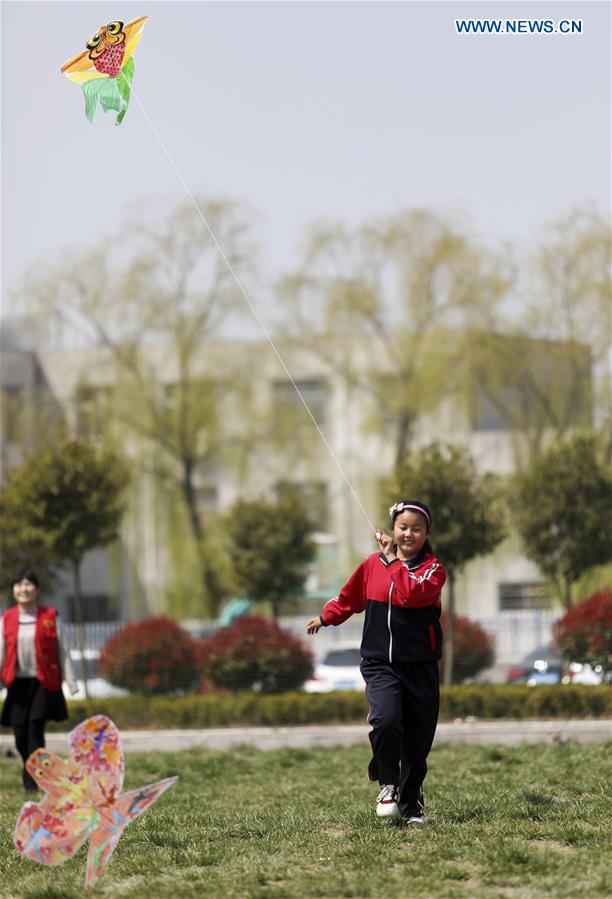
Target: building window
<point x="92" y="408"/>
<point x="489" y="414"/>
<point x="207" y="499"/>
<point x="95" y="607"/>
<point x="314" y="496"/>
<point x="513" y="597"/>
<point x="521" y="382"/>
<point x="289" y="408"/>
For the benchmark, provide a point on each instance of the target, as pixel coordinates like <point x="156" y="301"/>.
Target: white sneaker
<point x="418" y="810"/>
<point x="416" y="819"/>
<point x="386" y="802"/>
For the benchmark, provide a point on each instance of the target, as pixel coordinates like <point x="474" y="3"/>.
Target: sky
<point x="304" y="111"/>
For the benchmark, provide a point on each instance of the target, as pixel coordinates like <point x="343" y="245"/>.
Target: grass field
<point x="531" y="821"/>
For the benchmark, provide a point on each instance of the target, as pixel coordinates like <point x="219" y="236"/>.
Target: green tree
<point x="20" y="546"/>
<point x="533" y="389"/>
<point x="272" y="549"/>
<point x="468" y="512"/>
<point x="63" y="501"/>
<point x="385" y="305"/>
<point x="562" y="511"/>
<point x="544" y="371"/>
<point x="150" y="299"/>
<point x="569" y="299"/>
<point x="30" y="416"/>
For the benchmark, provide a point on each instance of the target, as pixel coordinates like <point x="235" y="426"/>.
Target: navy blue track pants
<point x="404" y="700"/>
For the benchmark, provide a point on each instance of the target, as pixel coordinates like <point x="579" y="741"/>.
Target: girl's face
<point x="25" y="592"/>
<point x="409" y="533"/>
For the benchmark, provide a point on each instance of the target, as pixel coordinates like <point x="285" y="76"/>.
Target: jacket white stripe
<point x="426" y="576"/>
<point x="389" y="623"/>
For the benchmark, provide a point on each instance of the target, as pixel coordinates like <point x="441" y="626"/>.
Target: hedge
<point x="221" y="710"/>
<point x="254" y="651"/>
<point x="474" y="648"/>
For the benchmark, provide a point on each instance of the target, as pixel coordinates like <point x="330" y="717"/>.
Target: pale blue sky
<point x="305" y="110"/>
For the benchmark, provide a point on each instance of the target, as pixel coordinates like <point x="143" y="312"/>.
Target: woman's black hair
<point x="413" y="505"/>
<point x="26" y="575"/>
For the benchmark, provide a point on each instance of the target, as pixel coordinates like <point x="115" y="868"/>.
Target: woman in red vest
<point x="34" y="659"/>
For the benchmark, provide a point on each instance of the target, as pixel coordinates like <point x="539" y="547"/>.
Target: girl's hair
<point x="26" y="575"/>
<point x="413" y="505"/>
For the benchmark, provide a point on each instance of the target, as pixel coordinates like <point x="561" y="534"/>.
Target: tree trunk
<point x="404" y="426"/>
<point x="78" y="614"/>
<point x="567" y="593"/>
<point x="210" y="581"/>
<point x="449" y="636"/>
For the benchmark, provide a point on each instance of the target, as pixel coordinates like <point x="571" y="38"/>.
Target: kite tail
<point x="111" y="821"/>
<point x="110" y="93"/>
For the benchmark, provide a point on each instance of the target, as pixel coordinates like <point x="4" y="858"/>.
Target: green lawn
<point x="531" y="821"/>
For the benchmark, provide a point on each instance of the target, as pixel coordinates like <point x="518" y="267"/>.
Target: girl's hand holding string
<point x="386" y="545"/>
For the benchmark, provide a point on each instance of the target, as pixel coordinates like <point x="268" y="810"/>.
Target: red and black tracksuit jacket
<point x="402" y="608"/>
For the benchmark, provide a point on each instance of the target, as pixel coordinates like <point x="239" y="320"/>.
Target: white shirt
<point x="26" y="649"/>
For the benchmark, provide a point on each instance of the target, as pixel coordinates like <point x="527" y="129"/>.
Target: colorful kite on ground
<point x="83" y="799"/>
<point x="106" y="69"/>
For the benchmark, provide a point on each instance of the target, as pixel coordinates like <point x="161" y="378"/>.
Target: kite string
<point x="251" y="307"/>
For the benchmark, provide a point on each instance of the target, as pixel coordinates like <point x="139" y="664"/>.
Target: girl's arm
<point x="417" y="589"/>
<point x="351" y="599"/>
<point x="64" y="657"/>
<point x="413" y="589"/>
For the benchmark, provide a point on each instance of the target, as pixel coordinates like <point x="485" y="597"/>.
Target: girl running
<point x="399" y="589"/>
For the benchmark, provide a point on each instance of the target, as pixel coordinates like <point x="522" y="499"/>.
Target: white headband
<point x="402" y="507"/>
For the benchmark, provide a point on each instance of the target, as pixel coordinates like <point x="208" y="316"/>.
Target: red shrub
<point x="151" y="656"/>
<point x="255" y="653"/>
<point x="584" y="634"/>
<point x="474" y="648"/>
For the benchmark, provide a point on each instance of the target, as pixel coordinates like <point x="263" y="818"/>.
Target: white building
<point x="261" y="410"/>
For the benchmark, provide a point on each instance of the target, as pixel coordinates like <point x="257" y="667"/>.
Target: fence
<point x="95" y="633"/>
<point x="515" y="635"/>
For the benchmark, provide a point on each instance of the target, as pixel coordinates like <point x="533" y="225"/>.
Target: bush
<point x="584" y="634"/>
<point x="521" y="701"/>
<point x="347" y="707"/>
<point x="474" y="648"/>
<point x="152" y="656"/>
<point x="255" y="654"/>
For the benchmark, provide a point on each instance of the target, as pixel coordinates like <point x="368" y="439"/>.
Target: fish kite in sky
<point x="83" y="800"/>
<point x="106" y="68"/>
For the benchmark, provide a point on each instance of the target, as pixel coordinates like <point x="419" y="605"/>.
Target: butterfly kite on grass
<point x="83" y="800"/>
<point x="106" y="68"/>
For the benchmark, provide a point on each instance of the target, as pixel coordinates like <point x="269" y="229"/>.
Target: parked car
<point x="97" y="686"/>
<point x="541" y="666"/>
<point x="544" y="665"/>
<point x="339" y="670"/>
<point x="583" y="673"/>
